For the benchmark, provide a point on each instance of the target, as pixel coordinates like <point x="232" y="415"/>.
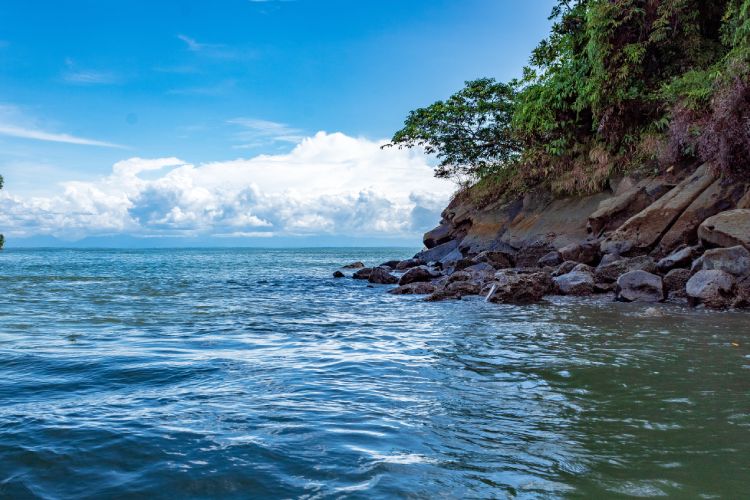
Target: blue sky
<point x="236" y="88"/>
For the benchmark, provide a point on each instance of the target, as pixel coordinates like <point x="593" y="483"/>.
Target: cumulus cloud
<point x="329" y="184"/>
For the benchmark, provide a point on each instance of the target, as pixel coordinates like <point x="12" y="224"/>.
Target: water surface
<point x="253" y="373"/>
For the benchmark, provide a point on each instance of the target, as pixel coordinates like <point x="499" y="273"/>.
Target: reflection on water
<point x="194" y="373"/>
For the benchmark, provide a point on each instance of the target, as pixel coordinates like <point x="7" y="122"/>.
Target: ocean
<point x="252" y="373"/>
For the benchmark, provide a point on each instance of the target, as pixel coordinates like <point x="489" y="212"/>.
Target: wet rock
<point x="441" y="234"/>
<point x="643" y="231"/>
<point x="464" y="288"/>
<point x="551" y="259"/>
<point x="391" y="263"/>
<point x="575" y="283"/>
<point x="497" y="259"/>
<point x="417" y="274"/>
<point x="409" y="263"/>
<point x="564" y="268"/>
<point x="520" y="288"/>
<point x="680" y="258"/>
<point x="354" y="265"/>
<point x="418" y="288"/>
<point x="639" y="286"/>
<point x="338" y="274"/>
<point x="733" y="260"/>
<point x="608" y="273"/>
<point x="440" y="295"/>
<point x="675" y="281"/>
<point x="727" y="229"/>
<point x="382" y="276"/>
<point x="362" y="274"/>
<point x="713" y="288"/>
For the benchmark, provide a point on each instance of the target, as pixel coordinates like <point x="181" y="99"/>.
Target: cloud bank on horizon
<point x="329" y="184"/>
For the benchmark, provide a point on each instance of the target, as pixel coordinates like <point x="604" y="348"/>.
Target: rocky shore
<point x="683" y="237"/>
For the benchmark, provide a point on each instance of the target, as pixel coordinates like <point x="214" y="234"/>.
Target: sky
<point x="235" y="122"/>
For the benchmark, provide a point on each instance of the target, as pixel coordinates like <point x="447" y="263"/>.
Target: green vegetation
<point x="619" y="86"/>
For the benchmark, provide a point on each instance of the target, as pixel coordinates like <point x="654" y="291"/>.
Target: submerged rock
<point x="712" y="288"/>
<point x="382" y="276"/>
<point x="639" y="286"/>
<point x="417" y="288"/>
<point x="338" y="274"/>
<point x="354" y="265"/>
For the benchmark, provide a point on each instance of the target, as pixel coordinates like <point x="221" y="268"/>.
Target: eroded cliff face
<point x="653" y="216"/>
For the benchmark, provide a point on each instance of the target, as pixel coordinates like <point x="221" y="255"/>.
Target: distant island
<point x="618" y="164"/>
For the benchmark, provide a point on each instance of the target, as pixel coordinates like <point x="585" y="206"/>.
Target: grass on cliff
<point x="618" y="87"/>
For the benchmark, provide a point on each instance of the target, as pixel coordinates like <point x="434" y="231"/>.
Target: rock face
<point x="417" y="274"/>
<point x="575" y="283"/>
<point x="441" y="234"/>
<point x="642" y="231"/>
<point x="711" y="288"/>
<point x="727" y="229"/>
<point x="382" y="276"/>
<point x="516" y="288"/>
<point x="639" y="286"/>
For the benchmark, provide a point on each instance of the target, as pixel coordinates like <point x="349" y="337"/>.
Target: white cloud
<point x="215" y="50"/>
<point x="87" y="76"/>
<point x="255" y="132"/>
<point x="329" y="184"/>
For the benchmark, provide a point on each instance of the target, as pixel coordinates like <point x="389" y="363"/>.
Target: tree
<point x="470" y="132"/>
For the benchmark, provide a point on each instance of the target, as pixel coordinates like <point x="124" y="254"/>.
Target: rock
<point x="441" y="234"/>
<point x="462" y="264"/>
<point x="643" y="231"/>
<point x="497" y="259"/>
<point x="354" y="265"/>
<point x="727" y="229"/>
<point x="587" y="253"/>
<point x="575" y="283"/>
<point x="450" y="260"/>
<point x="627" y="202"/>
<point x="409" y="263"/>
<point x="529" y="256"/>
<point x="742" y="294"/>
<point x="584" y="268"/>
<point x="564" y="268"/>
<point x="604" y="287"/>
<point x="391" y="263"/>
<point x="609" y="258"/>
<point x="459" y="276"/>
<point x="675" y="281"/>
<point x="481" y="267"/>
<point x="718" y="197"/>
<point x="382" y="276"/>
<point x="464" y="288"/>
<point x="437" y="253"/>
<point x="520" y="288"/>
<point x="416" y="275"/>
<point x="712" y="288"/>
<point x="362" y="274"/>
<point x="418" y="288"/>
<point x="733" y="260"/>
<point x="338" y="274"/>
<point x="608" y="273"/>
<point x="440" y="295"/>
<point x="570" y="252"/>
<point x="639" y="286"/>
<point x="680" y="258"/>
<point x="551" y="259"/>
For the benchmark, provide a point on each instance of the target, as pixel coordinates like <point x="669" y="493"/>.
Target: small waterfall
<point x="492" y="290"/>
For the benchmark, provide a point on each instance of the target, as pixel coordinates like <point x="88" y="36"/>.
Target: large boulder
<point x="390" y="263"/>
<point x="713" y="288"/>
<point x="727" y="229"/>
<point x="551" y="259"/>
<point x="575" y="283"/>
<point x="382" y="276"/>
<point x="409" y="263"/>
<point x="441" y="234"/>
<point x="608" y="273"/>
<point x="362" y="274"/>
<point x="419" y="288"/>
<point x="438" y="253"/>
<point x="519" y="288"/>
<point x="643" y="231"/>
<point x="416" y="275"/>
<point x="681" y="258"/>
<point x="564" y="268"/>
<point x="733" y="260"/>
<point x="675" y="281"/>
<point x="586" y="253"/>
<point x="639" y="286"/>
